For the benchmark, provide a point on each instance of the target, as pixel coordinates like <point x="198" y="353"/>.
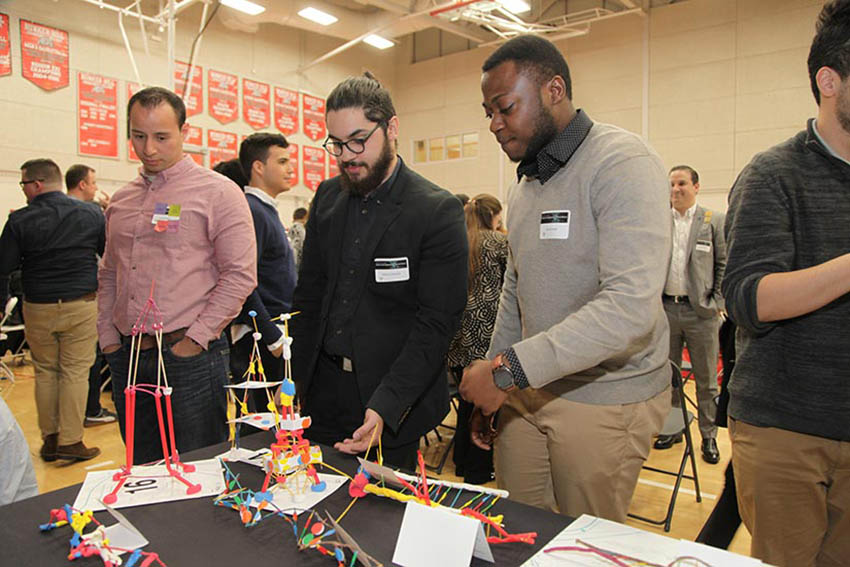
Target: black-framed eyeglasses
<point x="354" y="145"/>
<point x="23" y="183"/>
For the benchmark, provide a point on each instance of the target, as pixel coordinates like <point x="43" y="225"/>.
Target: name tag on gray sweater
<point x="554" y="225"/>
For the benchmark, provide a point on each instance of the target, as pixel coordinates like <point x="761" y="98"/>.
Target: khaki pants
<point x="62" y="338"/>
<point x="793" y="495"/>
<point x="588" y="457"/>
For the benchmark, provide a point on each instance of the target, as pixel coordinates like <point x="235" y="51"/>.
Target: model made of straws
<point x="95" y="543"/>
<point x="150" y="319"/>
<point x="291" y="463"/>
<point x="324" y="536"/>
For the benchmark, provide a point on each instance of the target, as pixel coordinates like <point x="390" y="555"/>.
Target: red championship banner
<point x="132" y="88"/>
<point x="192" y="143"/>
<point x="5" y="47"/>
<point x="286" y="111"/>
<point x="97" y="115"/>
<point x="313" y="160"/>
<point x="314" y="117"/>
<point x="293" y="159"/>
<point x="255" y="104"/>
<point x="222" y="145"/>
<point x="223" y="96"/>
<point x="195" y="101"/>
<point x="44" y="55"/>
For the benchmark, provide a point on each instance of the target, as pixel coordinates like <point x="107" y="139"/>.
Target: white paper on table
<point x="123" y="535"/>
<point x="285" y="500"/>
<point x="263" y="420"/>
<point x="252" y="385"/>
<point x="433" y="536"/>
<point x="149" y="485"/>
<point x="714" y="556"/>
<point x="626" y="540"/>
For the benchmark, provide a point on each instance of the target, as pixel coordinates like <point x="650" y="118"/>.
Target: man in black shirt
<point x="55" y="240"/>
<point x="381" y="287"/>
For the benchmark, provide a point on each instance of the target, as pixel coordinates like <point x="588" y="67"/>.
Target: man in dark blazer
<point x="381" y="289"/>
<point x="692" y="298"/>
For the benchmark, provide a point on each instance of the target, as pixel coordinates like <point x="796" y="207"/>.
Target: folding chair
<point x="5" y="371"/>
<point x="677" y="423"/>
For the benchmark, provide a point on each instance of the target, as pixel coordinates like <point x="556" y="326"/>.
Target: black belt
<point x="343" y="362"/>
<point x="676" y="298"/>
<point x="91" y="296"/>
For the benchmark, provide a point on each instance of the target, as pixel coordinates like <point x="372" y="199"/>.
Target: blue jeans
<point x="198" y="399"/>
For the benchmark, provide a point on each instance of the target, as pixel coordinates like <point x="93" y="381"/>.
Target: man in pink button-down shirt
<point x="184" y="233"/>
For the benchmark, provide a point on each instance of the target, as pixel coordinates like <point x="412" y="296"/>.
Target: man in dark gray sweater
<point x="786" y="285"/>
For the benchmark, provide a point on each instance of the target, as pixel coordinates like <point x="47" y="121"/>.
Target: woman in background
<point x="488" y="256"/>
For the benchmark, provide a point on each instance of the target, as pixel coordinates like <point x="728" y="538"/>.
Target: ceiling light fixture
<point x="245" y="6"/>
<point x="378" y="41"/>
<point x="314" y="15"/>
<point x="515" y="6"/>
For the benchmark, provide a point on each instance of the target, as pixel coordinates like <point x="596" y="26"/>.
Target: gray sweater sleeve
<point x="760" y="241"/>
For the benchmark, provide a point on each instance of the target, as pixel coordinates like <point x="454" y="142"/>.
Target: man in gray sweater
<point x="579" y="353"/>
<point x="786" y="286"/>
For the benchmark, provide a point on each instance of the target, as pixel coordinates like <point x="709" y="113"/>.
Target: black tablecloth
<point x="195" y="532"/>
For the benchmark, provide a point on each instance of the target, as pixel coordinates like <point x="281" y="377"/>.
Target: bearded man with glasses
<point x="381" y="287"/>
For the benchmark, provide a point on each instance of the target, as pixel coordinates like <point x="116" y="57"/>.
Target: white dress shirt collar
<point x="261" y="195"/>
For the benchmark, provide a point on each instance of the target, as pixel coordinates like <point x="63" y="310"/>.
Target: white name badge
<point x="703" y="246"/>
<point x="554" y="225"/>
<point x="392" y="270"/>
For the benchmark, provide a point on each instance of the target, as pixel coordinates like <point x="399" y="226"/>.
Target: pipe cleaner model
<point x="291" y="463"/>
<point x="95" y="543"/>
<point x="418" y="490"/>
<point x="152" y="316"/>
<point x="325" y="536"/>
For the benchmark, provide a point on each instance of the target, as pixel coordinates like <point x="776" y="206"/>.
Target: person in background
<point x="264" y="158"/>
<point x="56" y="240"/>
<point x="692" y="299"/>
<point x="81" y="183"/>
<point x="297" y="232"/>
<point x="233" y="171"/>
<point x="488" y="256"/>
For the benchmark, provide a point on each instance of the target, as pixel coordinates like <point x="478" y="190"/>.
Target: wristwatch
<point x="502" y="375"/>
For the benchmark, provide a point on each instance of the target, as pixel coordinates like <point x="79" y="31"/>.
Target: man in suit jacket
<point x="692" y="298"/>
<point x="381" y="289"/>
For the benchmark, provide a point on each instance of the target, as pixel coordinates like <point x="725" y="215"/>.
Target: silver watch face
<point x="503" y="378"/>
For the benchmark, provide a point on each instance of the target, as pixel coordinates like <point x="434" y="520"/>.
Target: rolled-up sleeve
<point x="759" y="241"/>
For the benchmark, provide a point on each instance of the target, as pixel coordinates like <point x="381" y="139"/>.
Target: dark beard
<point x="545" y="130"/>
<point x="376" y="175"/>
